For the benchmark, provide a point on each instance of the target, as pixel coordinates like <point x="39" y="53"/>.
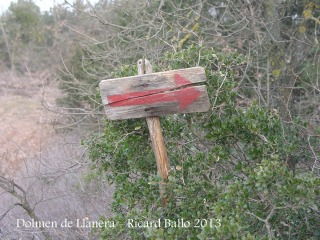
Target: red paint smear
<point x="180" y="81"/>
<point x="184" y="97"/>
<point x="127" y="96"/>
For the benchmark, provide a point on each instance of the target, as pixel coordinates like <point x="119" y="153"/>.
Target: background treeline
<point x="35" y="41"/>
<point x="252" y="161"/>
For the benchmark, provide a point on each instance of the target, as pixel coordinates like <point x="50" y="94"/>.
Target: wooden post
<point x="151" y="95"/>
<point x="160" y="151"/>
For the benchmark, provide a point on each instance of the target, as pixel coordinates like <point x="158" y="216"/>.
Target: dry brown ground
<point x="25" y="124"/>
<point x="51" y="166"/>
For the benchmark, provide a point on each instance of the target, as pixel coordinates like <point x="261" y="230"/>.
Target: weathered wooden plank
<point x="118" y="89"/>
<point x="155" y="94"/>
<point x="184" y="100"/>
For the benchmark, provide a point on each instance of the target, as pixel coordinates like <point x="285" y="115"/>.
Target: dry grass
<point x="21" y="132"/>
<point x="49" y="165"/>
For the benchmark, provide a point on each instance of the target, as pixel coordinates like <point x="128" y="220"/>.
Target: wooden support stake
<point x="160" y="151"/>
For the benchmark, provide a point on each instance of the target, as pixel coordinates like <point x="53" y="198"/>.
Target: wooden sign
<point x="155" y="94"/>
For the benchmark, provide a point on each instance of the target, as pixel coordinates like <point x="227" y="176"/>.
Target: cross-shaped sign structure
<point x="155" y="94"/>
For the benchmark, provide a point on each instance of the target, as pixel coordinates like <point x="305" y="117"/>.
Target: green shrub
<point x="230" y="168"/>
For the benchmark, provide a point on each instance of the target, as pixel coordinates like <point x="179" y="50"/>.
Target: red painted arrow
<point x="184" y="96"/>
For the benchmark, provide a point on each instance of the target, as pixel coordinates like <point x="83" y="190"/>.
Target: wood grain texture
<point x="155" y="94"/>
<point x="150" y="83"/>
<point x="160" y="153"/>
<point x="200" y="104"/>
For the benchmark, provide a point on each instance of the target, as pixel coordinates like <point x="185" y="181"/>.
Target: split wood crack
<point x="155" y="92"/>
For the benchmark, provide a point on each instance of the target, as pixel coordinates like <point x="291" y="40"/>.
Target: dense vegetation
<point x="239" y="165"/>
<point x="250" y="166"/>
<point x="250" y="162"/>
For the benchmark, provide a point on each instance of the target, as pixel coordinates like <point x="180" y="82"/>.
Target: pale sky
<point x="44" y="5"/>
